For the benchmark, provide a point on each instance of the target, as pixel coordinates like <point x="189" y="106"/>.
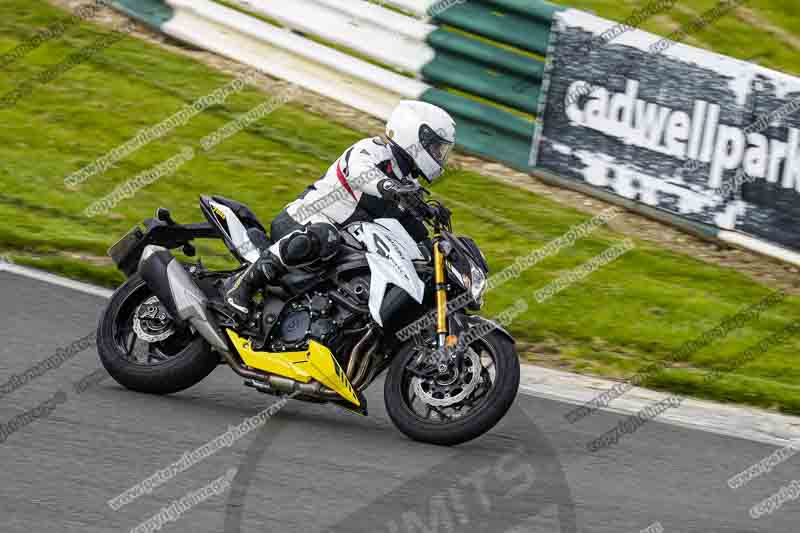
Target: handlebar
<point x="435" y="213"/>
<point x="411" y="197"/>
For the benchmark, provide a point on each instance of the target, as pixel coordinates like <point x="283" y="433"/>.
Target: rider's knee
<point x="315" y="243"/>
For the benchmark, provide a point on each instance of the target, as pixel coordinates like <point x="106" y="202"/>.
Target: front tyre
<point x="457" y="406"/>
<point x="143" y="349"/>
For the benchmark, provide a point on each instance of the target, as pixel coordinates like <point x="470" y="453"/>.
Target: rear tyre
<point x="475" y="408"/>
<point x="172" y="364"/>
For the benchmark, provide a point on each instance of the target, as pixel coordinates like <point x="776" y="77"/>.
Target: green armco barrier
<point x="498" y="58"/>
<point x="470" y="65"/>
<point x="532" y="8"/>
<point x="486" y="131"/>
<point x="152" y="12"/>
<point x="476" y="78"/>
<point x="510" y="28"/>
<point x="481" y="113"/>
<point x="479" y="139"/>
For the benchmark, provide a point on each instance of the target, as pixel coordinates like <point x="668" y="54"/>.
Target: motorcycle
<point x="320" y="335"/>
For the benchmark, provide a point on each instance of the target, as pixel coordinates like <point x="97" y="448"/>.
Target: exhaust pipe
<point x="176" y="289"/>
<point x="184" y="300"/>
<point x="281" y="385"/>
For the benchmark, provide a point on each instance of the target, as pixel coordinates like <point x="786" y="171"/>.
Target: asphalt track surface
<point x="317" y="468"/>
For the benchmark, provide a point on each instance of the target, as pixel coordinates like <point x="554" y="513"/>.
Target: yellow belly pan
<point x="315" y="363"/>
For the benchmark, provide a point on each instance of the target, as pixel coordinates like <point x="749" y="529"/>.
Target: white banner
<point x="704" y="136"/>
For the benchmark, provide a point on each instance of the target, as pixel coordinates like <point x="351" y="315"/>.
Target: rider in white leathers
<point x="362" y="184"/>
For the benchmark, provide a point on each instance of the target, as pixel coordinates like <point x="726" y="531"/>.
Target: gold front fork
<point x="441" y="293"/>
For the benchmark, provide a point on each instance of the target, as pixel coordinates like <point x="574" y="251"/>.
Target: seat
<point x="244" y="213"/>
<point x="259" y="239"/>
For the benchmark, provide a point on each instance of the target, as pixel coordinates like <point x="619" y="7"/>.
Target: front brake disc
<point x="452" y="387"/>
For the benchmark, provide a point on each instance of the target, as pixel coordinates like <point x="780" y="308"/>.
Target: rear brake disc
<point x="151" y="322"/>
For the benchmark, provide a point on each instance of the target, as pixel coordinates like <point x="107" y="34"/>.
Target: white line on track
<point x="55" y="280"/>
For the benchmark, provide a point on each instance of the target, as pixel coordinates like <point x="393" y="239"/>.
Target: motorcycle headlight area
<point x="473" y="281"/>
<point x="478" y="282"/>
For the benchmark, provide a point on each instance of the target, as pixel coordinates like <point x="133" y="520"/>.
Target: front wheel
<point x="457" y="405"/>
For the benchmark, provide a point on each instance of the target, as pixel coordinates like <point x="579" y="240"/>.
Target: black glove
<point x="391" y="187"/>
<point x="443" y="214"/>
<point x="404" y="194"/>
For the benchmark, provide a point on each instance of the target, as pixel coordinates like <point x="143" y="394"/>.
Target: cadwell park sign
<point x="702" y="136"/>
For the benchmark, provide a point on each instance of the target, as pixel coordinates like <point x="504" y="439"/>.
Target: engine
<point x="302" y="321"/>
<point x="321" y="316"/>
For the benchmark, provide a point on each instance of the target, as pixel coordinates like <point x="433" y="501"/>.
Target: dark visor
<point x="434" y="144"/>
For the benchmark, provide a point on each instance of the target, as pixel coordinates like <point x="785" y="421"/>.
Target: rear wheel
<point x="453" y="406"/>
<point x="144" y="349"/>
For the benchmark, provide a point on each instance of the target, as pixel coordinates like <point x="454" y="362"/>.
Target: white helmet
<point x="426" y="133"/>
